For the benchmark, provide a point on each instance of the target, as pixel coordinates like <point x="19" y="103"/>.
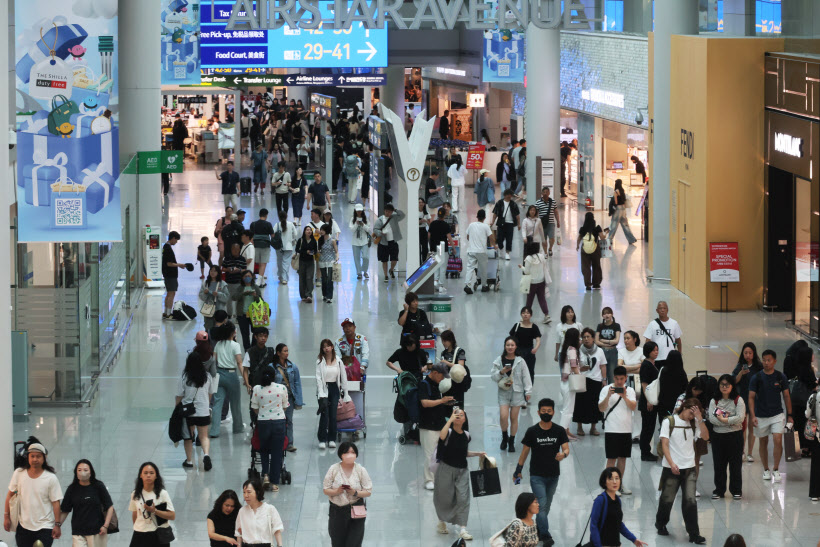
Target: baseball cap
<point x="359" y="207"/>
<point x="240" y="212"/>
<point x="348" y="321"/>
<point x="37" y="447"/>
<point x="483" y="171"/>
<point x="201" y="335"/>
<point x="442" y="369"/>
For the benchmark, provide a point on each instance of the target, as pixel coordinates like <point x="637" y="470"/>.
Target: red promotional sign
<point x="724" y="263"/>
<point x="475" y="156"/>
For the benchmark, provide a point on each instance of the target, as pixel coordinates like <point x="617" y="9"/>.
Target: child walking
<point x="203" y="254"/>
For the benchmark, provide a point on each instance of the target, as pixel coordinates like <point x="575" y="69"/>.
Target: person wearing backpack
<point x="678" y="432"/>
<point x="283" y="241"/>
<point x="247" y="293"/>
<point x="262" y="232"/>
<point x="352" y="171"/>
<point x="726" y="413"/>
<point x="588" y="237"/>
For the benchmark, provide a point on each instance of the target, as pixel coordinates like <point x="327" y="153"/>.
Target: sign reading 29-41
<point x="287" y="47"/>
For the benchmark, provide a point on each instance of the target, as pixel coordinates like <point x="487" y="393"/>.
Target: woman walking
<point x="151" y="509"/>
<point x="726" y="413"/>
<point x="535" y="265"/>
<point x="505" y="173"/>
<point x="92" y="506"/>
<point x="528" y="336"/>
<point x="268" y="402"/>
<point x="593" y="364"/>
<point x="451" y="484"/>
<point x="331" y="386"/>
<point x="522" y="531"/>
<point x="222" y="519"/>
<point x="214" y="291"/>
<point x="620" y="214"/>
<point x="606" y="523"/>
<point x="288" y="375"/>
<point x="360" y="241"/>
<point x="247" y="294"/>
<point x="298" y="193"/>
<point x="457" y="173"/>
<point x="195" y="386"/>
<point x="569" y="363"/>
<point x="258" y="523"/>
<point x="328" y="255"/>
<point x="424" y="225"/>
<point x="649" y="413"/>
<point x="607" y="337"/>
<point x="260" y="171"/>
<point x="289" y="237"/>
<point x="532" y="231"/>
<point x="589" y="235"/>
<point x="748" y="364"/>
<point x="568" y="321"/>
<point x="510" y="373"/>
<point x="229" y="368"/>
<point x="347" y="484"/>
<point x="306" y="248"/>
<point x="485" y="192"/>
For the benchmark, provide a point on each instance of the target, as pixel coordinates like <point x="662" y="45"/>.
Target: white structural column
<point x="392" y="95"/>
<point x="140" y="96"/>
<point x="542" y="116"/>
<point x="6" y="431"/>
<point x="671" y="17"/>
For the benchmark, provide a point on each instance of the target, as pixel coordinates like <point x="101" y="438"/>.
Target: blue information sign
<point x="286" y="47"/>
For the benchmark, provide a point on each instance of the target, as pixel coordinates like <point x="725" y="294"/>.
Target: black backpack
<point x="183" y="312"/>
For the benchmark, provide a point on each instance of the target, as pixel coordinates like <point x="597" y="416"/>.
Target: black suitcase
<point x="245" y="185"/>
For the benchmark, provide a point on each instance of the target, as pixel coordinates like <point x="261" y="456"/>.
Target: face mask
<point x="546" y="417"/>
<point x="348" y="458"/>
<point x="84" y="475"/>
<point x="248" y="280"/>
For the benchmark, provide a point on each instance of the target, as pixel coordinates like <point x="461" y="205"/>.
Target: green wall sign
<point x="160" y="161"/>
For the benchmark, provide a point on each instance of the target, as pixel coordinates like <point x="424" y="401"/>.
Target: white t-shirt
<point x="562" y="328"/>
<point x="259" y="526"/>
<point x="594" y="373"/>
<point x="620" y="419"/>
<point x="248" y="252"/>
<point x="36" y="497"/>
<point x="631" y="358"/>
<point x="387" y="228"/>
<point x="457" y="174"/>
<point x="477" y="234"/>
<point x="681" y="442"/>
<point x="150" y="524"/>
<point x="271" y="401"/>
<point x="200" y="396"/>
<point x="665" y="345"/>
<point x="226" y="352"/>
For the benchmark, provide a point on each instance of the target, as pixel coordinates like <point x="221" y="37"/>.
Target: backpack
<point x="260" y="241"/>
<point x="800" y="394"/>
<point x="352" y="166"/>
<point x="276" y="241"/>
<point x="183" y="312"/>
<point x="259" y="313"/>
<point x="589" y="245"/>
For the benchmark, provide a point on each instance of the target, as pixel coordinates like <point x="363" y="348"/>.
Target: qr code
<point x="68" y="212"/>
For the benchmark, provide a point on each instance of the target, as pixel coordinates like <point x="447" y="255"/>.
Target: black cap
<point x="240" y="212"/>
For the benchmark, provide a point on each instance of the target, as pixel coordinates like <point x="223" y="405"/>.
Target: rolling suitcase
<point x="245" y="185"/>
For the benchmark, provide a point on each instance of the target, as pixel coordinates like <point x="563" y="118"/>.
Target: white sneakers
<point x="775" y="476"/>
<point x="428" y="485"/>
<point x="625" y="491"/>
<point x="547" y="320"/>
<point x="442" y="527"/>
<point x="322" y="445"/>
<point x="332" y="444"/>
<point x="465" y="535"/>
<point x="507" y="257"/>
<point x="767" y="476"/>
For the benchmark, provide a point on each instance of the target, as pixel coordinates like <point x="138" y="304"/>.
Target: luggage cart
<point x="256" y="458"/>
<point x="454" y="265"/>
<point x="493" y="271"/>
<point x="356" y="425"/>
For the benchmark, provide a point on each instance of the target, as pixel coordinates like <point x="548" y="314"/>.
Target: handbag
<point x="498" y="539"/>
<point x="810" y="430"/>
<point x="165" y="535"/>
<point x="653" y="390"/>
<point x="188" y="409"/>
<point x="485" y="482"/>
<point x="524" y="284"/>
<point x="208" y="309"/>
<point x="358" y="511"/>
<point x="505" y="383"/>
<point x="114" y="525"/>
<point x="337" y="272"/>
<point x="577" y="383"/>
<point x="14" y="510"/>
<point x="294" y="261"/>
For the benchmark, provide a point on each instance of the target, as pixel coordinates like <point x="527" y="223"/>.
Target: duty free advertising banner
<point x="179" y="53"/>
<point x="67" y="121"/>
<point x="503" y="56"/>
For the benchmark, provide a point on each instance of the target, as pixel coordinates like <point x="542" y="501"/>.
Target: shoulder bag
<point x="506" y="382"/>
<point x="499" y="538"/>
<point x="356" y="511"/>
<point x="188" y="409"/>
<point x="577" y="383"/>
<point x="294" y="261"/>
<point x="114" y="525"/>
<point x="608" y="412"/>
<point x="14" y="509"/>
<point x="653" y="390"/>
<point x="377" y="238"/>
<point x="208" y="309"/>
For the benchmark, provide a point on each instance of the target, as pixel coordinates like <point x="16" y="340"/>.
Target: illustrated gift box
<point x="82" y="121"/>
<point x="39" y="177"/>
<point x="64" y="36"/>
<point x="100" y="188"/>
<point x="68" y="206"/>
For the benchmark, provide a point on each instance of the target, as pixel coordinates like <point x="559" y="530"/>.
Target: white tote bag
<point x="578" y="383"/>
<point x="524" y="284"/>
<point x="653" y="390"/>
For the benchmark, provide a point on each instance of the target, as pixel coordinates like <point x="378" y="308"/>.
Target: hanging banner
<point x="67" y="121"/>
<point x="179" y="53"/>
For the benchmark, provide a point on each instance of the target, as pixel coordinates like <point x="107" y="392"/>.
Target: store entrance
<point x="780" y="282"/>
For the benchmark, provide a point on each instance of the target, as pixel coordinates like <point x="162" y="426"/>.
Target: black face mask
<point x="546" y="417"/>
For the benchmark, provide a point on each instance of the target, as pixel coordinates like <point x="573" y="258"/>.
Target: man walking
<point x="387" y="227"/>
<point x="432" y="415"/>
<point x="507" y="215"/>
<point x="618" y="402"/>
<point x="767" y="413"/>
<point x="549" y="445"/>
<point x="548" y="212"/>
<point x="665" y="332"/>
<point x="479" y="234"/>
<point x="230" y="184"/>
<point x="262" y="232"/>
<point x="232" y="267"/>
<point x="170" y="273"/>
<point x="318" y="193"/>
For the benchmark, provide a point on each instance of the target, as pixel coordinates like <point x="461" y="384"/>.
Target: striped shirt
<point x="233" y="262"/>
<point x="546" y="209"/>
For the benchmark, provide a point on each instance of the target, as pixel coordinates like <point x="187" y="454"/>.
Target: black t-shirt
<point x="229" y="182"/>
<point x="453" y="451"/>
<point x="439" y="230"/>
<point x="544" y="445"/>
<point x="525" y="335"/>
<point x="595" y="232"/>
<point x="319" y="192"/>
<point x="429" y="188"/>
<point x="610" y="529"/>
<point x="169" y="256"/>
<point x="87" y="503"/>
<point x="648" y="373"/>
<point x="608" y="331"/>
<point x="262" y="230"/>
<point x="204" y="251"/>
<point x="416" y="324"/>
<point x="230" y="262"/>
<point x="433" y="417"/>
<point x="410" y="361"/>
<point x="224" y="525"/>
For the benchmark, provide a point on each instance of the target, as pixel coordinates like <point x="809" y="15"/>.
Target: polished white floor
<point x="127" y="424"/>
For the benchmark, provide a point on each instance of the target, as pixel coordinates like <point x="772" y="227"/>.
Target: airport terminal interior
<point x="648" y="160"/>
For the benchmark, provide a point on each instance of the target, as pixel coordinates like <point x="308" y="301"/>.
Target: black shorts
<point x="389" y="252"/>
<point x="171" y="284"/>
<point x="201" y="421"/>
<point x="617" y="445"/>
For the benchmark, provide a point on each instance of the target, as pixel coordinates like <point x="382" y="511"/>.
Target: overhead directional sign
<point x="287" y="47"/>
<point x="272" y="80"/>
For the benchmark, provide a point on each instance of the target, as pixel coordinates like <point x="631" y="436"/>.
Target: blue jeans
<point x="228" y="388"/>
<point x="361" y="258"/>
<point x="544" y="490"/>
<point x="619" y="218"/>
<point x="271" y="447"/>
<point x="283" y="264"/>
<point x="327" y="419"/>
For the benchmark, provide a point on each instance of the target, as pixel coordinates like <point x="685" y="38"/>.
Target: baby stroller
<point x="256" y="457"/>
<point x="406" y="408"/>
